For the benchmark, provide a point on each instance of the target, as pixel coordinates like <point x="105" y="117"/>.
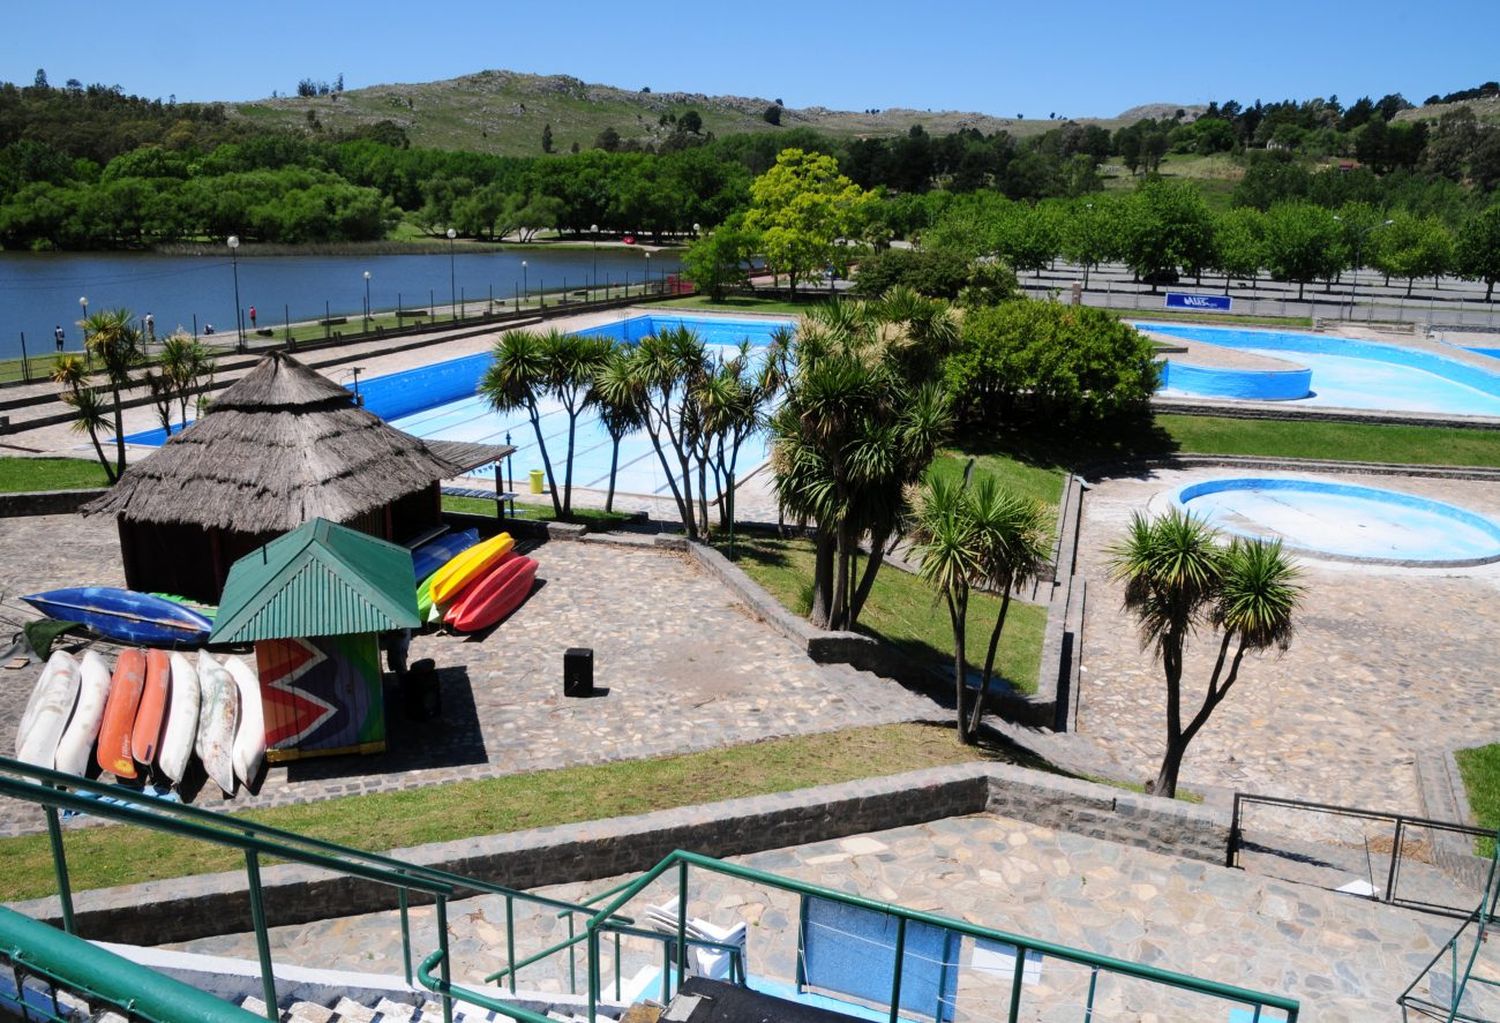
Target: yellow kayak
<point x="466" y="566"/>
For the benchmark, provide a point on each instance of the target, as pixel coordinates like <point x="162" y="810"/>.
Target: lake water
<point x="40" y="291"/>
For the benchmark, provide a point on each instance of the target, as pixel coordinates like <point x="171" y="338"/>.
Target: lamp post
<point x="1359" y="241"/>
<point x="452" y="287"/>
<point x="647" y="287"/>
<point x="234" y="261"/>
<point x="525" y="283"/>
<point x="83" y="324"/>
<point x="367" y="301"/>
<point x="594" y="244"/>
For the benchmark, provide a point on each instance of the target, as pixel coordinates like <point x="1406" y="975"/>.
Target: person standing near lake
<point x="252" y="317"/>
<point x="59" y="337"/>
<point x="150" y="322"/>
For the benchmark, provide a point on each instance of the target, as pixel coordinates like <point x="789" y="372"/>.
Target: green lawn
<point x="1345" y="442"/>
<point x="24" y="474"/>
<point x="1039" y="482"/>
<point x="596" y="518"/>
<point x="1221" y="318"/>
<point x="902" y="609"/>
<point x="1480" y="768"/>
<point x="738" y="304"/>
<point x="104" y="856"/>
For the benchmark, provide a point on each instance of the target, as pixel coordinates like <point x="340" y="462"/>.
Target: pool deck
<point x="1387" y="662"/>
<point x="1345" y="958"/>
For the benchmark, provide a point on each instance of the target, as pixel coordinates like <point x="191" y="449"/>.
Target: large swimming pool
<point x="1347" y="373"/>
<point x="438" y="402"/>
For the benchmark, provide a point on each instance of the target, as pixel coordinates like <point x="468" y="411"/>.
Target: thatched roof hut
<point x="279" y="447"/>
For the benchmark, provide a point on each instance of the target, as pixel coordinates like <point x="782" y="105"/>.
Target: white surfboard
<point x="77" y="742"/>
<point x="182" y="720"/>
<point x="218" y="719"/>
<point x="250" y="738"/>
<point x="48" y="710"/>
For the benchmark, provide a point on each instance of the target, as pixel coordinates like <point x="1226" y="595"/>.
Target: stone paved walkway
<point x="1386" y="662"/>
<point x="1346" y="959"/>
<point x="685" y="665"/>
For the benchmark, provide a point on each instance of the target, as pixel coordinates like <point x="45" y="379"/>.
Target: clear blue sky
<point x="1075" y="59"/>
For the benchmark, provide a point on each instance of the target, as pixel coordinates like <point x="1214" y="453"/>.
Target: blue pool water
<point x="438" y="402"/>
<point x="1347" y="373"/>
<point x="1344" y="521"/>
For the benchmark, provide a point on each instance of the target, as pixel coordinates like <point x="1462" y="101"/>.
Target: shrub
<point x="930" y="273"/>
<point x="1061" y="363"/>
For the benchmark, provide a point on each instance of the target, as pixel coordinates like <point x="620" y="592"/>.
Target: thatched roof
<point x="281" y="446"/>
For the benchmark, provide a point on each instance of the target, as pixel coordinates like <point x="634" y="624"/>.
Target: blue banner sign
<point x="1203" y="303"/>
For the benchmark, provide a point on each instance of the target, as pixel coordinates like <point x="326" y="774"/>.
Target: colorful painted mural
<point x="322" y="696"/>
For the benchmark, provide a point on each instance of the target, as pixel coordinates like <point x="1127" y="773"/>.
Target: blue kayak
<point x="125" y="615"/>
<point x="434" y="554"/>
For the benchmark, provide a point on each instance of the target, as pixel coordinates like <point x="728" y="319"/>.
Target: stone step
<point x="350" y="1011"/>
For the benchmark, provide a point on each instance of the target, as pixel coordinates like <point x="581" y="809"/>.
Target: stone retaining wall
<point x="46" y="502"/>
<point x="185" y="908"/>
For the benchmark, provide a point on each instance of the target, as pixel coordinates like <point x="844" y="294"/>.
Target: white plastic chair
<point x="712" y="963"/>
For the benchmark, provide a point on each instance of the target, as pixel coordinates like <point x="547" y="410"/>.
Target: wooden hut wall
<point x="179" y="559"/>
<point x="416" y="513"/>
<point x="321" y="696"/>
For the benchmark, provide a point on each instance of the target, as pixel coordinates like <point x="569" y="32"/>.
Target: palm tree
<point x="948" y="551"/>
<point x="185" y="363"/>
<point x="570" y="363"/>
<point x="115" y="341"/>
<point x="72" y="373"/>
<point x="1177" y="579"/>
<point x="516" y="379"/>
<point x="617" y="398"/>
<point x="1012" y="534"/>
<point x="668" y="368"/>
<point x="862" y="417"/>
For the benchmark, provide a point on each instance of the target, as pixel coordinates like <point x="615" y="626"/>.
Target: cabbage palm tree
<point x="618" y="399"/>
<point x="1179" y="578"/>
<point x="669" y="366"/>
<point x="115" y="342"/>
<point x="72" y="373"/>
<point x="1012" y="534"/>
<point x="516" y="379"/>
<point x="947" y="547"/>
<point x="571" y="362"/>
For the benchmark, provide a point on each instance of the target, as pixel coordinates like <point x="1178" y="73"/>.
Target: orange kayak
<point x="465" y="567"/>
<point x="494" y="596"/>
<point x="119" y="713"/>
<point x="145" y="737"/>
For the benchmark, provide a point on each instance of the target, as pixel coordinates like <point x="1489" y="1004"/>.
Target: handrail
<point x="140" y="813"/>
<point x="570" y="940"/>
<point x="682" y="858"/>
<point x="139" y="992"/>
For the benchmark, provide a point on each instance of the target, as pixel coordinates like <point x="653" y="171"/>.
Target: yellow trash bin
<point x="536" y="481"/>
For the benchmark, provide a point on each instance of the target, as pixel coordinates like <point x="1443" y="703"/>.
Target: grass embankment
<point x="18" y="475"/>
<point x="1334" y="441"/>
<point x="1220" y="319"/>
<point x="1480" y="768"/>
<point x="903" y="610"/>
<point x="103" y="856"/>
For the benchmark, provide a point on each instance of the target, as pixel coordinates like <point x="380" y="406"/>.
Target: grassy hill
<point x="1486" y="111"/>
<point x="504" y="112"/>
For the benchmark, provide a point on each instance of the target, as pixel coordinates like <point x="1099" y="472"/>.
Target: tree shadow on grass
<point x="1079" y="448"/>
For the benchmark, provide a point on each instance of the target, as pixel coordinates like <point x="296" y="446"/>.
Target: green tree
<point x="668" y="367"/>
<point x="1091" y="233"/>
<point x="976" y="536"/>
<point x="1302" y="243"/>
<point x="1240" y="245"/>
<point x="113" y="341"/>
<point x="719" y="260"/>
<point x="800" y="208"/>
<point x="1412" y="247"/>
<point x="1178" y="580"/>
<point x="546" y="138"/>
<point x="1478" y="249"/>
<point x="1167" y="227"/>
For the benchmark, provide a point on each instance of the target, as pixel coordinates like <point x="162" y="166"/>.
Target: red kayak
<point x="145" y="737"/>
<point x="119" y="713"/>
<point x="493" y="597"/>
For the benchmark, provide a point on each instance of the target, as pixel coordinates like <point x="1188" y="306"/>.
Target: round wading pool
<point x="1346" y="522"/>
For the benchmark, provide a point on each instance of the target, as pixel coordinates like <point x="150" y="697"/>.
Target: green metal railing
<point x="54" y="791"/>
<point x="682" y="861"/>
<point x="103" y="979"/>
<point x="1461" y="966"/>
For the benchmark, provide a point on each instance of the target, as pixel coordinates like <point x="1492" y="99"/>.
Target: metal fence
<point x="1436" y="866"/>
